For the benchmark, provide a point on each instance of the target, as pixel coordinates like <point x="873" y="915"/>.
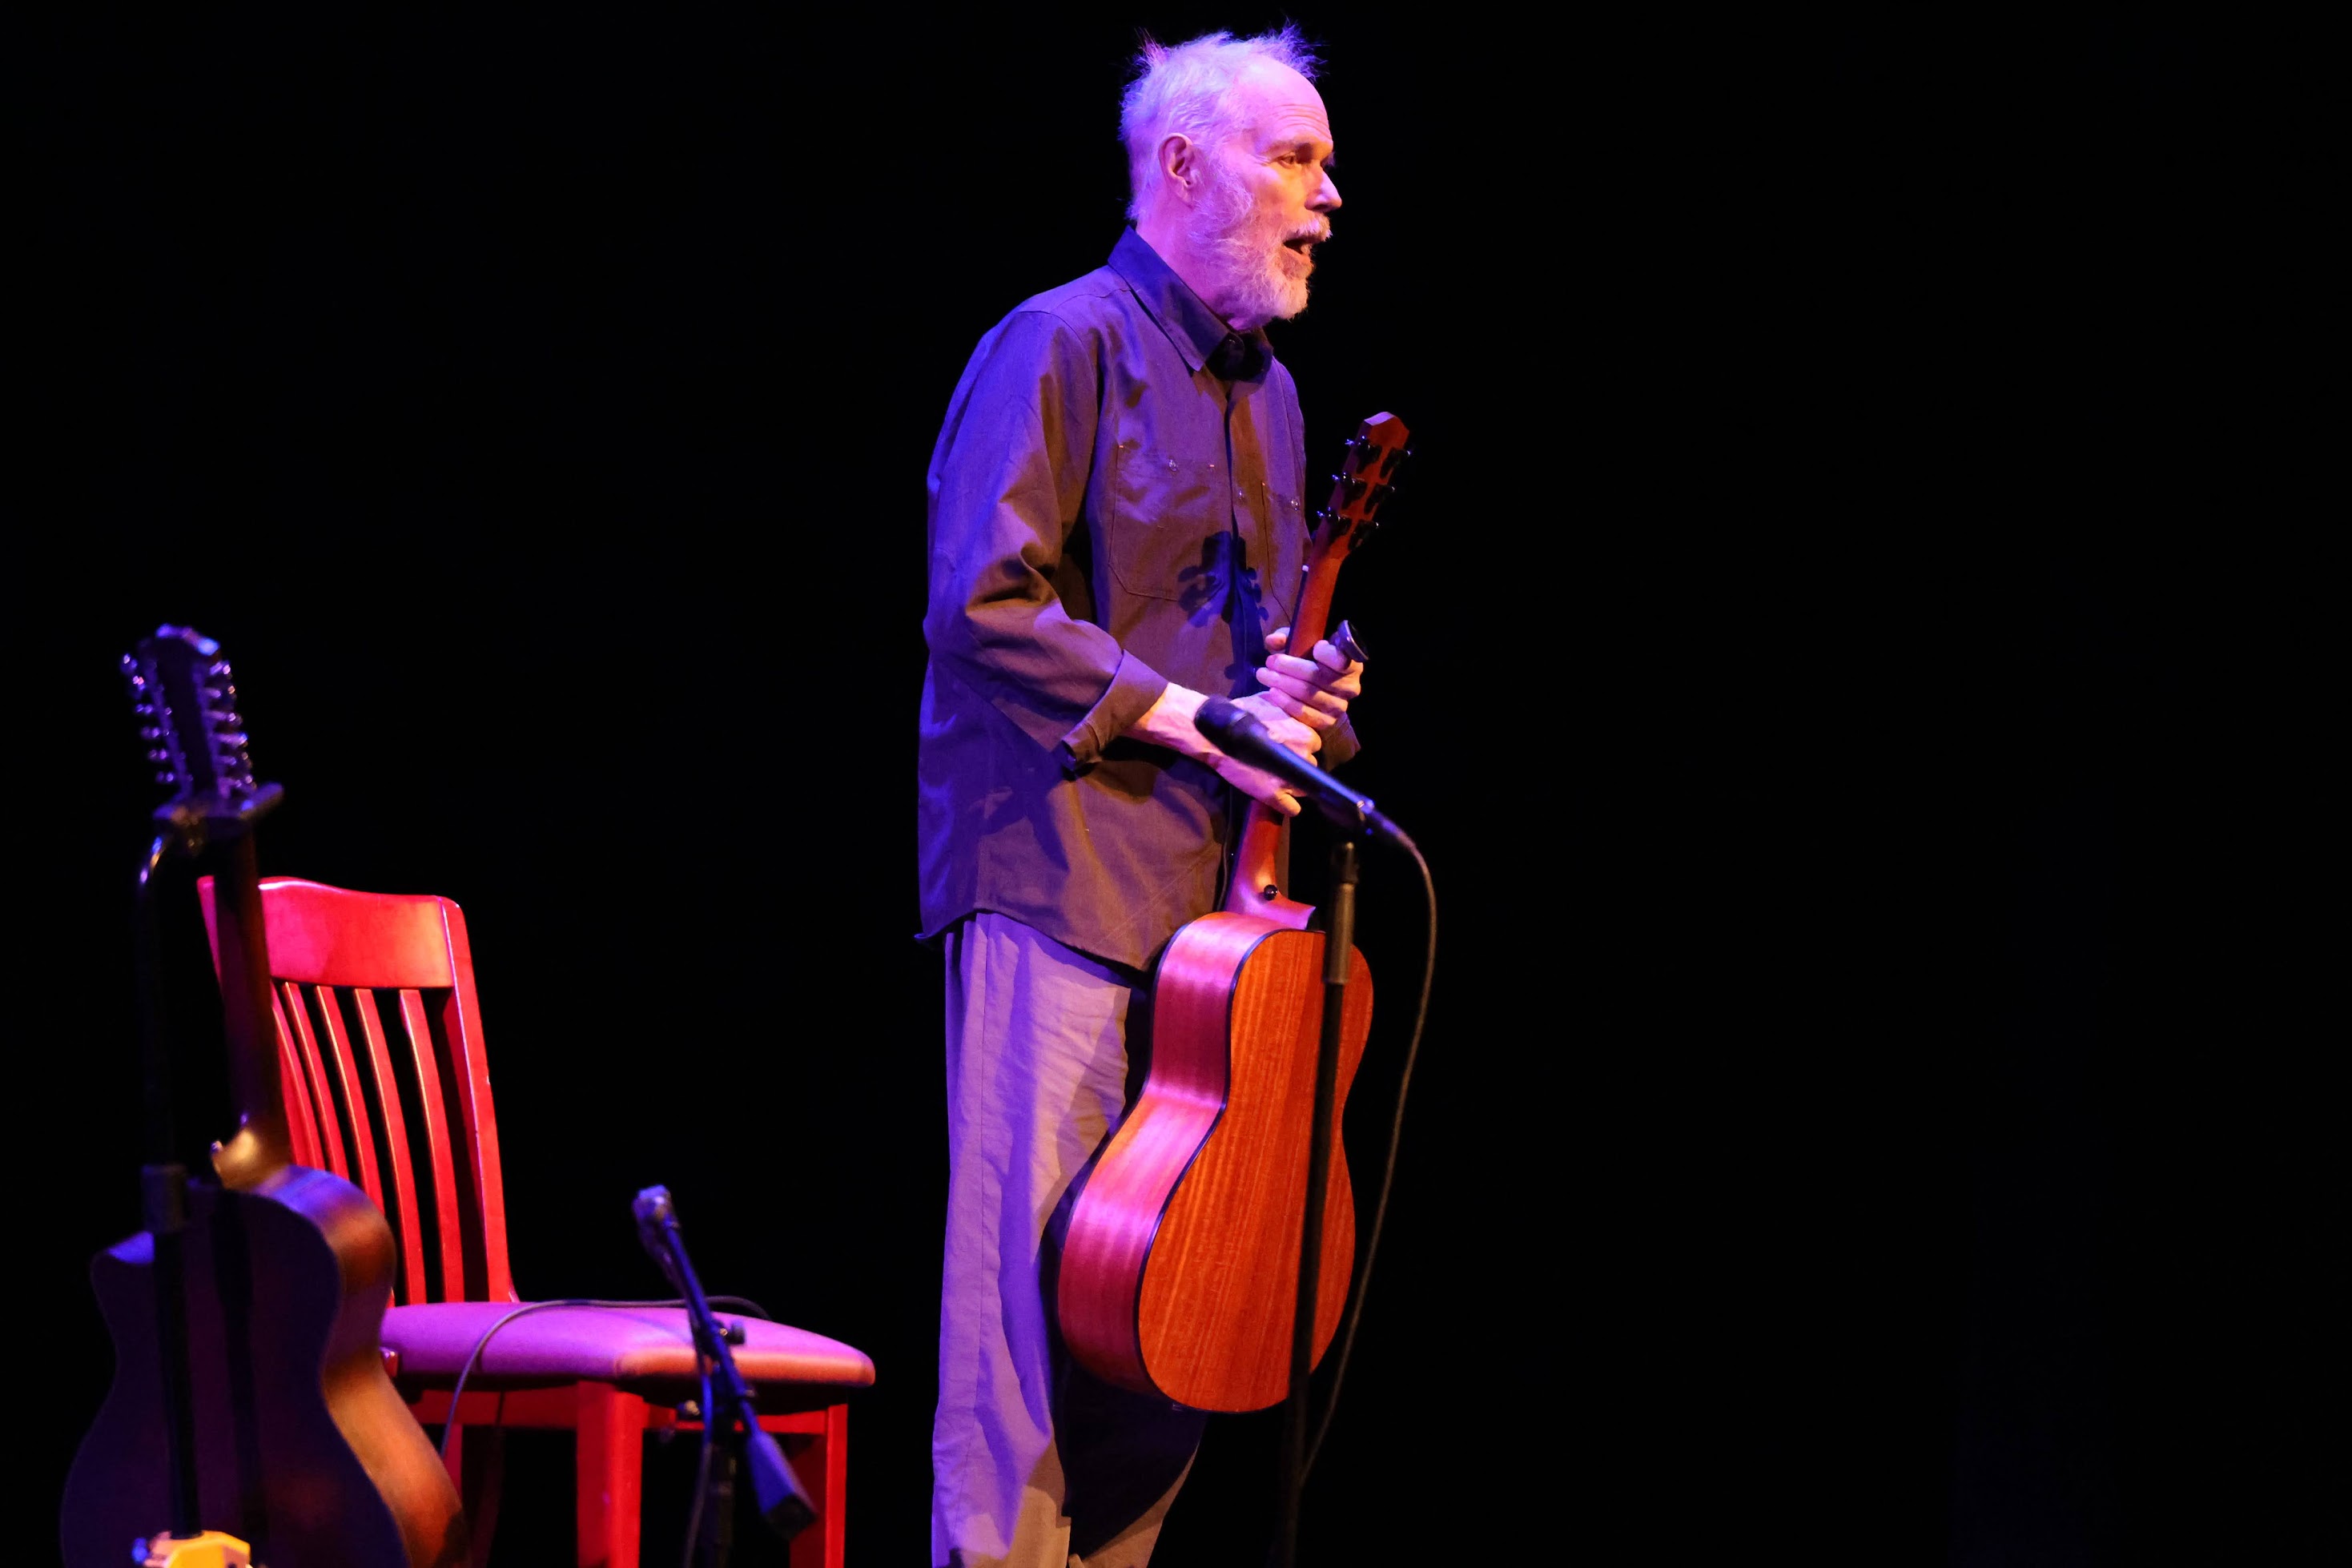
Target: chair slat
<point x="395" y="1134"/>
<point x="462" y="1022"/>
<point x="322" y="936"/>
<point x="305" y="1128"/>
<point x="329" y="1124"/>
<point x="436" y="1145"/>
<point x="347" y="1071"/>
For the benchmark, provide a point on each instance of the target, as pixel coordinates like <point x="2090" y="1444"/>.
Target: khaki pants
<point x="1035" y="1464"/>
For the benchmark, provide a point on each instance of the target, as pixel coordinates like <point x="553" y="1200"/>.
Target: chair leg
<point x="612" y="1453"/>
<point x="476" y="1465"/>
<point x="823" y="1468"/>
<point x="481" y="1487"/>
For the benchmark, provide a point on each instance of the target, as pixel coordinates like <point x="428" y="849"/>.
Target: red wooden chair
<point x="380" y="1040"/>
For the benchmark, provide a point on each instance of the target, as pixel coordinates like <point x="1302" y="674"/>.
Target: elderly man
<point x="1118" y="496"/>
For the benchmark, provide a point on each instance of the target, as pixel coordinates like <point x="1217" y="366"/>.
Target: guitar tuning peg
<point x="168" y="779"/>
<point x="150" y="733"/>
<point x="158" y="754"/>
<point x="218" y="666"/>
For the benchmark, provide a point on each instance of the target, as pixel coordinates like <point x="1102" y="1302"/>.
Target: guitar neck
<point x="184" y="694"/>
<point x="1256" y="886"/>
<point x="1356" y="490"/>
<point x="262" y="1145"/>
<point x="1313" y="616"/>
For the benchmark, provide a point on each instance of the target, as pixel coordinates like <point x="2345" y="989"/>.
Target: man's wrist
<point x="1169" y="722"/>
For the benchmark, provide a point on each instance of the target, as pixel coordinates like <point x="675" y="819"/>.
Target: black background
<point x="1844" y="644"/>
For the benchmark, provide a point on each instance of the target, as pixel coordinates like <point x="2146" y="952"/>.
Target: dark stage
<point x="1845" y="642"/>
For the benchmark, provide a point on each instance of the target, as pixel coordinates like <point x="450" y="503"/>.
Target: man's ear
<point x="1180" y="162"/>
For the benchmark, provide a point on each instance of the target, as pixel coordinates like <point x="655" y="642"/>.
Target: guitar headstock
<point x="1362" y="482"/>
<point x="184" y="695"/>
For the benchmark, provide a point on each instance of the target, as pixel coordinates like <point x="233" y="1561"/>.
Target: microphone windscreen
<point x="653" y="1216"/>
<point x="1218" y="720"/>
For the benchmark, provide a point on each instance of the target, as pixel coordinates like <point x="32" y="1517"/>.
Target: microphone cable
<point x="743" y="1305"/>
<point x="1388" y="1175"/>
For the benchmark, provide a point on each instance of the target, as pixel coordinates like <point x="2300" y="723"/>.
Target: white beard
<point x="1255" y="277"/>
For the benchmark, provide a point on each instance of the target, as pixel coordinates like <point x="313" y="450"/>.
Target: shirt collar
<point x="1201" y="339"/>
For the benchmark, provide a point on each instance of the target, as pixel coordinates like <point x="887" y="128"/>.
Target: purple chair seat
<point x="604" y="1345"/>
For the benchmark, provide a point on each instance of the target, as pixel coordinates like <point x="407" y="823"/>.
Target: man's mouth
<point x="1303" y="246"/>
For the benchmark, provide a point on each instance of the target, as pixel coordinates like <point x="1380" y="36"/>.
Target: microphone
<point x="657" y="1223"/>
<point x="1240" y="736"/>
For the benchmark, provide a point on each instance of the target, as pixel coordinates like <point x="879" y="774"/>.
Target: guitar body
<point x="1179" y="1271"/>
<point x="304" y="1449"/>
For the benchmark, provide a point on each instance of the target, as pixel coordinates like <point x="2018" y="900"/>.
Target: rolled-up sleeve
<point x="1008" y="486"/>
<point x="1134" y="687"/>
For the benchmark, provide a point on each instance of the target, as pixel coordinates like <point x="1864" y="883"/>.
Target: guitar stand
<point x="1338" y="909"/>
<point x="163" y="1204"/>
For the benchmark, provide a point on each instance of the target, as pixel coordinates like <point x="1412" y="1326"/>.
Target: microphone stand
<point x="1339" y="943"/>
<point x="782" y="1501"/>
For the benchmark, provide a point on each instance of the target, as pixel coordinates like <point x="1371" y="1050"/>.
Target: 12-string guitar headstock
<point x="184" y="695"/>
<point x="1363" y="481"/>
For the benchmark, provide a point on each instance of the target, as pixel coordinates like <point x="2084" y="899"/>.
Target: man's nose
<point x="1327" y="195"/>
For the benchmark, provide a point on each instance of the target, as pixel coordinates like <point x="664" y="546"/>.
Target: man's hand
<point x="1315" y="692"/>
<point x="1169" y="722"/>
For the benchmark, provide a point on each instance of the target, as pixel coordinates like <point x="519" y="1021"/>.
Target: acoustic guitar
<point x="1181" y="1265"/>
<point x="283" y="1421"/>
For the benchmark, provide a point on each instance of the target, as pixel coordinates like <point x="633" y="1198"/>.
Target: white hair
<point x="1186" y="91"/>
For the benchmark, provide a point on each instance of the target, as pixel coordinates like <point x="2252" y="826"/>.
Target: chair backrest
<point x="371" y="1079"/>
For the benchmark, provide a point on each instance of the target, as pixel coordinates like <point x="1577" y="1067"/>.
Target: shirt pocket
<point x="1167" y="514"/>
<point x="1268" y="563"/>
